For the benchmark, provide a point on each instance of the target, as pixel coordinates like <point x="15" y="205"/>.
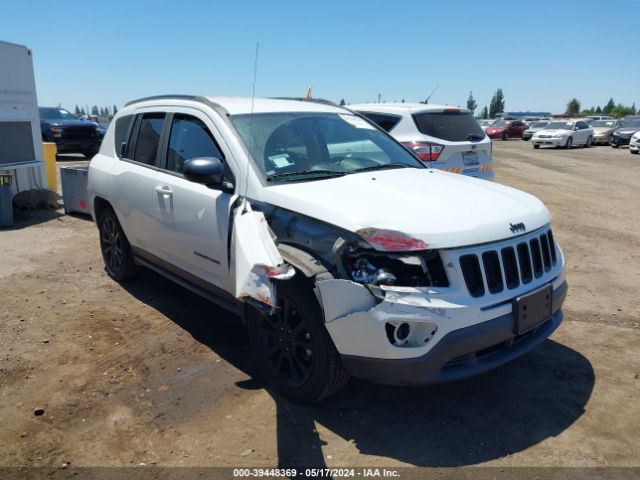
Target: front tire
<point x="569" y="143"/>
<point x="116" y="250"/>
<point x="588" y="144"/>
<point x="293" y="349"/>
<point x="505" y="136"/>
<point x="536" y="146"/>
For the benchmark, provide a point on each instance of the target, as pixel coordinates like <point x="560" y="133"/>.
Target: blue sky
<point x="541" y="53"/>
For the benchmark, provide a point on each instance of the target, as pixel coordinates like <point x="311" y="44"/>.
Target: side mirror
<point x="205" y="170"/>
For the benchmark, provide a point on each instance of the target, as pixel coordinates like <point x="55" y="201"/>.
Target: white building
<point x="20" y="137"/>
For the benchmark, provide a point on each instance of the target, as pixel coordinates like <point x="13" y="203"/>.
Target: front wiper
<point x="303" y="173"/>
<point x="384" y="166"/>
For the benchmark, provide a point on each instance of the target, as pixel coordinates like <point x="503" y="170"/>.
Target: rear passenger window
<point x="122" y="131"/>
<point x="190" y="138"/>
<point x="148" y="138"/>
<point x="385" y="122"/>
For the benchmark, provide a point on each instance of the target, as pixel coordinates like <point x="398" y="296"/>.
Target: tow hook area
<point x="255" y="261"/>
<point x="361" y="323"/>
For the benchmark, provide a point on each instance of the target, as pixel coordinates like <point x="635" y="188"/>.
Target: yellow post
<point x="50" y="151"/>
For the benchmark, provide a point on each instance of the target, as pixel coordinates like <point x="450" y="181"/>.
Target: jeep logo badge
<point x="517" y="227"/>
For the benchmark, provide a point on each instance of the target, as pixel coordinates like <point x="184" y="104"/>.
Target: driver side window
<point x="189" y="138"/>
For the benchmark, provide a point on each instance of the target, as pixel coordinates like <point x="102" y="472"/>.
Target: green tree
<point x="115" y="110"/>
<point x="403" y="100"/>
<point x="598" y="109"/>
<point x="485" y="113"/>
<point x="342" y="103"/>
<point x="94" y="110"/>
<point x="497" y="103"/>
<point x="573" y="108"/>
<point x="633" y="107"/>
<point x="77" y="111"/>
<point x="609" y="106"/>
<point x="471" y="103"/>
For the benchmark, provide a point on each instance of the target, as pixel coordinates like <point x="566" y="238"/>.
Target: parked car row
<point x="594" y="130"/>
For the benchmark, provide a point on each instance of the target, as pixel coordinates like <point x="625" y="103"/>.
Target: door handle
<point x="163" y="190"/>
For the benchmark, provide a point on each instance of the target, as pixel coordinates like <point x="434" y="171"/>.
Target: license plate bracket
<point x="532" y="309"/>
<point x="470" y="159"/>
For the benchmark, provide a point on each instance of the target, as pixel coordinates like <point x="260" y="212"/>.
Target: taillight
<point x="425" y="151"/>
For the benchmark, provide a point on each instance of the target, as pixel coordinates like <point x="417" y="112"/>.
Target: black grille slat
<point x="510" y="267"/>
<point x="525" y="262"/>
<point x="536" y="257"/>
<point x="492" y="271"/>
<point x="472" y="275"/>
<point x="552" y="246"/>
<point x="546" y="255"/>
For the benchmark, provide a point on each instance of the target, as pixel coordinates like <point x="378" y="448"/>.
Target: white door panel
<point x="132" y="196"/>
<point x="192" y="223"/>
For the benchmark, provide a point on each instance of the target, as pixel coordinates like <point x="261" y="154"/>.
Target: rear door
<point x="191" y="221"/>
<point x="132" y="177"/>
<point x="462" y="144"/>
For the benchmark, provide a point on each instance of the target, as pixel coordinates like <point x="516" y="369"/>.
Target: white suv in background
<point x="449" y="138"/>
<point x="385" y="269"/>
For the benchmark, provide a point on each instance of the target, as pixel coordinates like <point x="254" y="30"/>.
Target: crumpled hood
<point x="441" y="209"/>
<point x="626" y="131"/>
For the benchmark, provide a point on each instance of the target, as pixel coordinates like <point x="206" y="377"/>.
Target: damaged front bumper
<point x="446" y="342"/>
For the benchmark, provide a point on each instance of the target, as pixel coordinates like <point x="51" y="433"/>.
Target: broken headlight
<point x="423" y="269"/>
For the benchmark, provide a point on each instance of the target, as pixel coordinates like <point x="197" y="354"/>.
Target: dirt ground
<point x="148" y="373"/>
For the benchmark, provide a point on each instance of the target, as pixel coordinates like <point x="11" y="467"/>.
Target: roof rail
<point x="163" y="97"/>
<point x="304" y="99"/>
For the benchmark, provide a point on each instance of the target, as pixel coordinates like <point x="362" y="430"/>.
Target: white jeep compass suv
<point x="342" y="251"/>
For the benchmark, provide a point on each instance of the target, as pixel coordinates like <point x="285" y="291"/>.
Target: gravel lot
<point x="149" y="373"/>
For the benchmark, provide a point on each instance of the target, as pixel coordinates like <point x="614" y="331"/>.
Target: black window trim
<point x="133" y="136"/>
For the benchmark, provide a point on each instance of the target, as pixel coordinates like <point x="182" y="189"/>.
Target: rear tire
<point x="116" y="250"/>
<point x="505" y="136"/>
<point x="588" y="144"/>
<point x="536" y="146"/>
<point x="293" y="349"/>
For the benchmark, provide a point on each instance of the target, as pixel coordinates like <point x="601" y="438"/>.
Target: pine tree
<point x="573" y="108"/>
<point x="342" y="102"/>
<point x="609" y="107"/>
<point x="598" y="109"/>
<point x="77" y="111"/>
<point x="94" y="110"/>
<point x="485" y="113"/>
<point x="497" y="103"/>
<point x="471" y="103"/>
<point x="115" y="110"/>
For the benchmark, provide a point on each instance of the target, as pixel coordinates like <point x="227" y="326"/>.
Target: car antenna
<point x="253" y="96"/>
<point x="431" y="94"/>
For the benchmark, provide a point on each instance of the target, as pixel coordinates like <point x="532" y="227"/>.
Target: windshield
<point x="560" y="126"/>
<point x="631" y="122"/>
<point x="293" y="146"/>
<point x="539" y="124"/>
<point x="500" y="123"/>
<point x="453" y="126"/>
<point x="56" y="114"/>
<point x="602" y="123"/>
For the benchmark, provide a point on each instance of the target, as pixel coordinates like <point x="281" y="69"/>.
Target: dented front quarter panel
<point x="255" y="258"/>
